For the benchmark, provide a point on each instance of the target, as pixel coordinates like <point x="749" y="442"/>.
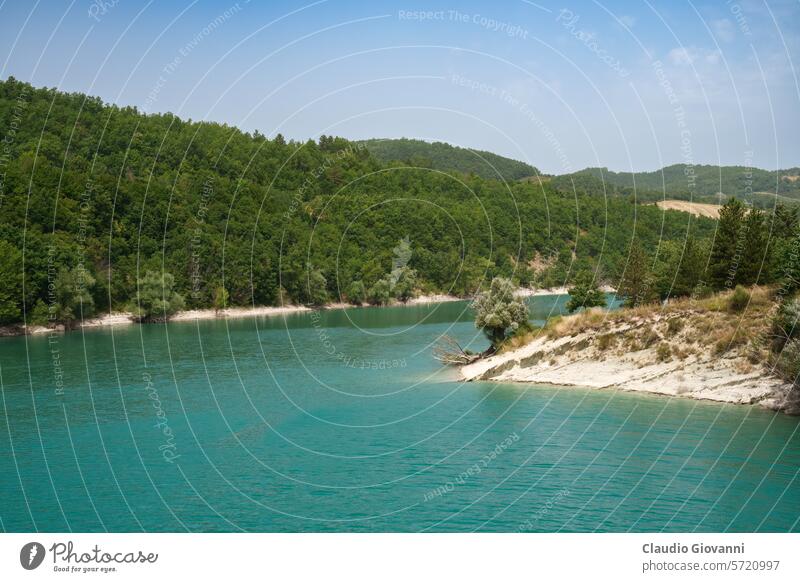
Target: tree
<point x="790" y="265"/>
<point x="405" y="285"/>
<point x="785" y="221"/>
<point x="156" y="299"/>
<point x="754" y="266"/>
<point x="636" y="284"/>
<point x="680" y="268"/>
<point x="498" y="312"/>
<point x="72" y="297"/>
<point x="10" y="282"/>
<point x="380" y="293"/>
<point x="356" y="293"/>
<point x="316" y="287"/>
<point x="726" y="252"/>
<point x="220" y="298"/>
<point x="585" y="293"/>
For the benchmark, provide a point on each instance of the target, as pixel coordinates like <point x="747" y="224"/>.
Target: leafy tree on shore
<point x="72" y="296"/>
<point x="405" y="285"/>
<point x="317" y="287"/>
<point x="220" y="299"/>
<point x="356" y="293"/>
<point x="498" y="312"/>
<point x="380" y="293"/>
<point x="10" y="282"/>
<point x="157" y="299"/>
<point x="585" y="293"/>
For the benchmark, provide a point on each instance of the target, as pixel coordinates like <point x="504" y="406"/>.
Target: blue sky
<point x="626" y="85"/>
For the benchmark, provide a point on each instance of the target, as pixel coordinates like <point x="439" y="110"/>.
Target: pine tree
<point x="726" y="253"/>
<point x="754" y="264"/>
<point x="637" y="285"/>
<point x="585" y="293"/>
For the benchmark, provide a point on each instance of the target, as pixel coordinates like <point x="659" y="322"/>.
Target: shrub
<point x="663" y="352"/>
<point x="605" y="341"/>
<point x="787" y="364"/>
<point x="739" y="300"/>
<point x="674" y="325"/>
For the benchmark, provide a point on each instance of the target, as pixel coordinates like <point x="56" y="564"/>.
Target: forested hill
<point x="92" y="189"/>
<point x="704" y="182"/>
<point x="446" y="157"/>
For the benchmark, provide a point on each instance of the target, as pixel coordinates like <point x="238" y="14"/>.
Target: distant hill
<point x="446" y="157"/>
<point x="708" y="182"/>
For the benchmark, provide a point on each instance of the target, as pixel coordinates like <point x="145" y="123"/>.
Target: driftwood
<point x="449" y="352"/>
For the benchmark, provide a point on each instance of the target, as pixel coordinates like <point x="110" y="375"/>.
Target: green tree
<point x="754" y="266"/>
<point x="73" y="298"/>
<point x="156" y="299"/>
<point x="316" y="287"/>
<point x="498" y="312"/>
<point x="790" y="265"/>
<point x="585" y="293"/>
<point x="680" y="268"/>
<point x="356" y="293"/>
<point x="636" y="285"/>
<point x="405" y="284"/>
<point x="10" y="283"/>
<point x="380" y="293"/>
<point x="727" y="250"/>
<point x="220" y="298"/>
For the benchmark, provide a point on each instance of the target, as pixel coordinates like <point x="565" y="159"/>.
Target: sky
<point x="631" y="86"/>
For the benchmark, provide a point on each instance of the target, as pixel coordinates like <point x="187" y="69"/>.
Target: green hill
<point x="106" y="189"/>
<point x="705" y="183"/>
<point x="449" y="158"/>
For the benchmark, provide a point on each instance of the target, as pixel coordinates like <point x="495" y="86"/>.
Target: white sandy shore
<point x="575" y="361"/>
<point x="124" y="318"/>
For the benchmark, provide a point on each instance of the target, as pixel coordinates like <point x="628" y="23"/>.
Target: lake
<point x="342" y="421"/>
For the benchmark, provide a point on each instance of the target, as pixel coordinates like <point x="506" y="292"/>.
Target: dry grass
<point x="685" y="326"/>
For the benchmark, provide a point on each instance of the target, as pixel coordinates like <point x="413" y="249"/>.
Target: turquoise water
<point x="342" y="421"/>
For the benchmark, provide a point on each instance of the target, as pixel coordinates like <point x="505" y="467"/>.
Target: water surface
<point x="342" y="421"/>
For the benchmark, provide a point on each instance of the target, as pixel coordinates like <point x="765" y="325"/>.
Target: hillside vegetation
<point x="449" y="158"/>
<point x="105" y="208"/>
<point x="704" y="183"/>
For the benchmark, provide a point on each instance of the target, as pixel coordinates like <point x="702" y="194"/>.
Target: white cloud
<point x="723" y="29"/>
<point x="682" y="56"/>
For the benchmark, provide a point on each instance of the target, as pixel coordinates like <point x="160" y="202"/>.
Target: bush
<point x="786" y="324"/>
<point x="663" y="352"/>
<point x="674" y="325"/>
<point x="605" y="341"/>
<point x="739" y="300"/>
<point x="787" y="364"/>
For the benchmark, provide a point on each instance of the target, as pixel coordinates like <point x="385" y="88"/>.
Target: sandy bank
<point x="589" y="360"/>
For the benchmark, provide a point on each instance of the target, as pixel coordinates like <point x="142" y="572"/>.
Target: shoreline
<point x="119" y="318"/>
<point x="580" y="360"/>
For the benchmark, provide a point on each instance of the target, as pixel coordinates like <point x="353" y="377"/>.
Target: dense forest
<point x="449" y="158"/>
<point x="712" y="184"/>
<point x="106" y="208"/>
